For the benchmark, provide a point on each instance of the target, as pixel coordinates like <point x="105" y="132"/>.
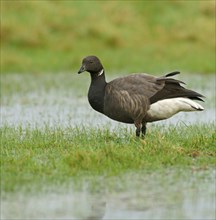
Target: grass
<point x="34" y="157"/>
<point x="147" y="36"/>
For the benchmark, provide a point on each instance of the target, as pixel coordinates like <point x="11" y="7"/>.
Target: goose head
<point x="92" y="65"/>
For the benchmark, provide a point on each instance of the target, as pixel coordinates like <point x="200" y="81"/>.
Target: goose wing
<point x="127" y="99"/>
<point x="131" y="96"/>
<point x="172" y="89"/>
<point x="155" y="88"/>
<point x="136" y="84"/>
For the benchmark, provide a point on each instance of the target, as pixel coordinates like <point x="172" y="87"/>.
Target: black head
<point x="92" y="65"/>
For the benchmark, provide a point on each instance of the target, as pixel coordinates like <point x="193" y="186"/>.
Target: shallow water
<point x="46" y="101"/>
<point x="168" y="194"/>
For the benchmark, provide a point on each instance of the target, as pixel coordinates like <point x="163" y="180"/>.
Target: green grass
<point x="34" y="157"/>
<point x="147" y="36"/>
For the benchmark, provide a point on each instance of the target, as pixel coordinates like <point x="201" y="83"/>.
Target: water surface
<point x="166" y="194"/>
<point x="61" y="99"/>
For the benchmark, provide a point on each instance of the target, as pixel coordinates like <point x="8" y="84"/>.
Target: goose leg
<point x="143" y="130"/>
<point x="138" y="128"/>
<point x="138" y="132"/>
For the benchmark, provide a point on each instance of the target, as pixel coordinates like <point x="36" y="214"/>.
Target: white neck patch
<point x="101" y="72"/>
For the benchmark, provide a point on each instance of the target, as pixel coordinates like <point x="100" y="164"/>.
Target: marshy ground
<point x="55" y="146"/>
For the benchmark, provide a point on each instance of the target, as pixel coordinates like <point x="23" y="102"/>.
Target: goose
<point x="138" y="98"/>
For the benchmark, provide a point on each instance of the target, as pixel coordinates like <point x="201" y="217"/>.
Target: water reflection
<point x="168" y="194"/>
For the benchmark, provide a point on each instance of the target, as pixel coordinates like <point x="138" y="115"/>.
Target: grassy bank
<point x="33" y="157"/>
<point x="148" y="36"/>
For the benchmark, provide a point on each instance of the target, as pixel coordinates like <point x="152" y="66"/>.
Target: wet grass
<point x="149" y="36"/>
<point x="31" y="158"/>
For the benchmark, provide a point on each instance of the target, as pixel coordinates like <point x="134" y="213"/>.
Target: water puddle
<point x="168" y="194"/>
<point x="64" y="102"/>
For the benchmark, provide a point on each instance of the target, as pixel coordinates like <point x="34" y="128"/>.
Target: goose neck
<point x="98" y="78"/>
<point x="97" y="91"/>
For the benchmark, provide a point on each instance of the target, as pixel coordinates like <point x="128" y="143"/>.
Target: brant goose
<point x="137" y="98"/>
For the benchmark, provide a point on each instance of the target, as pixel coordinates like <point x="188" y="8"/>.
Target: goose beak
<point x="82" y="69"/>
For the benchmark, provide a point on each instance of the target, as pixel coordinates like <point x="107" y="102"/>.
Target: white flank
<point x="101" y="72"/>
<point x="166" y="108"/>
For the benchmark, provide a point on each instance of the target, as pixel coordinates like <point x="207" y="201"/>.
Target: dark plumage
<point x="137" y="98"/>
